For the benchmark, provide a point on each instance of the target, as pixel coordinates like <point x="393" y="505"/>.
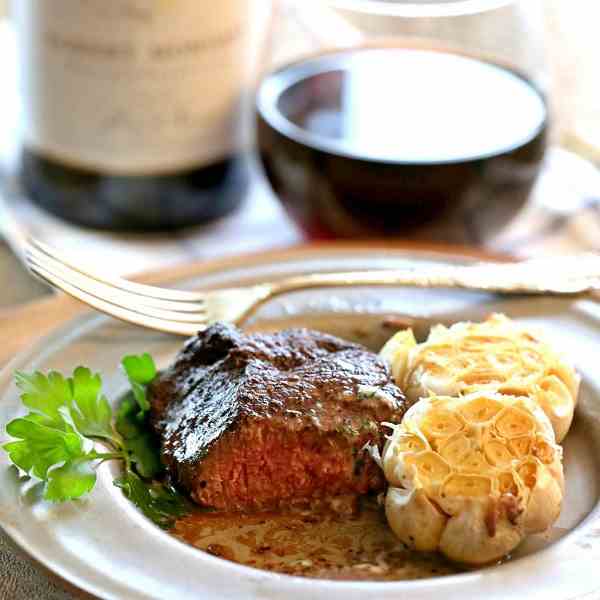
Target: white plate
<point x="104" y="546"/>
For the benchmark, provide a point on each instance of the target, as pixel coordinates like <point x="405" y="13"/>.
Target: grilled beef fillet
<point x="253" y="422"/>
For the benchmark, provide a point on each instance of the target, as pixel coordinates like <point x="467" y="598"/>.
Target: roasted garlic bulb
<point x="472" y="476"/>
<point x="495" y="355"/>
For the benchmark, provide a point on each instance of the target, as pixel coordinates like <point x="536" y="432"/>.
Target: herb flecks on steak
<point x="252" y="422"/>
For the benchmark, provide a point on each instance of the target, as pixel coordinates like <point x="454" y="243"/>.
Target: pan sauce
<point x="319" y="544"/>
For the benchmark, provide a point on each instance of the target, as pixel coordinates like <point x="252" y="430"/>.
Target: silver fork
<point x="186" y="312"/>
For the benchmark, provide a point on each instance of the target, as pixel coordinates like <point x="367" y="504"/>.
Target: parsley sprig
<point x="70" y="418"/>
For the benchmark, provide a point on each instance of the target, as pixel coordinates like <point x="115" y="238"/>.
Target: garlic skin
<point x="413" y="514"/>
<point x="472" y="476"/>
<point x="495" y="355"/>
<point x="396" y="352"/>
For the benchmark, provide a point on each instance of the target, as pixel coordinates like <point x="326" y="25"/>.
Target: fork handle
<point x="570" y="275"/>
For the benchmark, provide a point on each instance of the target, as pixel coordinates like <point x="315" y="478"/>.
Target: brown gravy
<point x="320" y="544"/>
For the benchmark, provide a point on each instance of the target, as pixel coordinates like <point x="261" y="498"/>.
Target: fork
<point x="186" y="312"/>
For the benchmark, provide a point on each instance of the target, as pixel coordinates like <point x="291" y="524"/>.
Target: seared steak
<point x="250" y="422"/>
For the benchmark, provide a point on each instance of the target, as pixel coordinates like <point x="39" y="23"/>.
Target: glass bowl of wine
<point x="426" y="122"/>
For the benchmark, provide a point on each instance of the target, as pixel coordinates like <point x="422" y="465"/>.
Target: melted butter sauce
<point x="318" y="544"/>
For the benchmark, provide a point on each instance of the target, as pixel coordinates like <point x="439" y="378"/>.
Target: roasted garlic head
<point x="495" y="355"/>
<point x="472" y="476"/>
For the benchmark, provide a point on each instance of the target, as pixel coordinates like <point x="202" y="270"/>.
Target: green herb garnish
<point x="55" y="441"/>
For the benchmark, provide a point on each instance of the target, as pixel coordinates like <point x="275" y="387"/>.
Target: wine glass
<point x="421" y="119"/>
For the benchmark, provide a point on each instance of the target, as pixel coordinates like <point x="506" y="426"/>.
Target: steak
<point x="262" y="421"/>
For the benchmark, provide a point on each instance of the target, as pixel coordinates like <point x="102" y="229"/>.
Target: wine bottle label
<point x="132" y="86"/>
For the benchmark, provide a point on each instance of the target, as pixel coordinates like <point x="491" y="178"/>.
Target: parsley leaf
<point x="44" y="394"/>
<point x="90" y="410"/>
<point x="74" y="479"/>
<point x="52" y="442"/>
<point x="160" y="504"/>
<point x="41" y="445"/>
<point x="140" y="371"/>
<point x="137" y="439"/>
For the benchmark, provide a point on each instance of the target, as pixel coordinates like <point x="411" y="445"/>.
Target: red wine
<point x="401" y="141"/>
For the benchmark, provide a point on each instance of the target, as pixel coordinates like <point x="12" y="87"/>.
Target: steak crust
<point x="261" y="421"/>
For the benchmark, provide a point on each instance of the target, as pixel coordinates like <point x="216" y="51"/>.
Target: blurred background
<point x="310" y="162"/>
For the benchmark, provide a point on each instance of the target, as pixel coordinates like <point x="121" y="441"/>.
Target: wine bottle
<point x="132" y="109"/>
